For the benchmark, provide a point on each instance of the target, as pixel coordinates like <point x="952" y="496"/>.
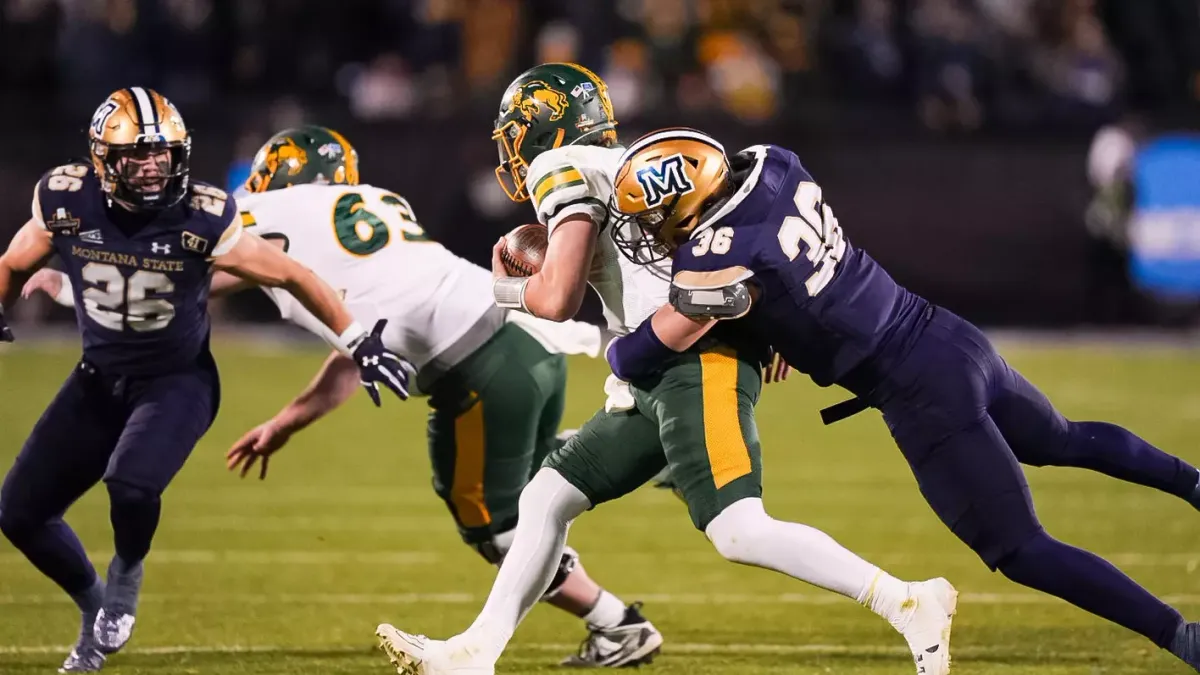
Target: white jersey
<point x="365" y="242"/>
<point x="579" y="179"/>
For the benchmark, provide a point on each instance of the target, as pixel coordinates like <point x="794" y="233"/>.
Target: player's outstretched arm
<point x="333" y="386"/>
<point x="556" y="291"/>
<point x="27" y="251"/>
<point x="257" y="261"/>
<point x="663" y="335"/>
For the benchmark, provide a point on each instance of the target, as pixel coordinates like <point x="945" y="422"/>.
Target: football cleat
<point x="418" y="655"/>
<point x="85" y="656"/>
<point x="927" y="618"/>
<point x="634" y="642"/>
<point x="112" y="631"/>
<point x="114" y="623"/>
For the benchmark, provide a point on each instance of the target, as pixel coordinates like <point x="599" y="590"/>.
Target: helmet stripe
<point x="670" y="134"/>
<point x="147" y="116"/>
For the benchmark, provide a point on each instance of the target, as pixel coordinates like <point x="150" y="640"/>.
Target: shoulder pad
<point x="62" y="196"/>
<point x="723" y="294"/>
<point x="215" y="225"/>
<point x="562" y="183"/>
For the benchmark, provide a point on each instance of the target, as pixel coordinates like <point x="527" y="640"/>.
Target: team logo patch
<point x="194" y="242"/>
<point x="100" y="117"/>
<point x="664" y="179"/>
<point x="62" y="223"/>
<point x="532" y="97"/>
<point x="92" y="237"/>
<point x="330" y="151"/>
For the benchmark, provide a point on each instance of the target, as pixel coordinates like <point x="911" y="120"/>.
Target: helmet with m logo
<point x="665" y="182"/>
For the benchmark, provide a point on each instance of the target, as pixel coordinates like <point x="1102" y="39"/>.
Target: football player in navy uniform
<point x="139" y="242"/>
<point x="754" y="243"/>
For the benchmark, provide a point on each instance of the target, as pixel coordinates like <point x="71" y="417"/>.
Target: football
<point x="525" y="249"/>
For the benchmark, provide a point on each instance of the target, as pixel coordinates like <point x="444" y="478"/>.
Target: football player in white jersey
<point x="496" y="379"/>
<point x="558" y="147"/>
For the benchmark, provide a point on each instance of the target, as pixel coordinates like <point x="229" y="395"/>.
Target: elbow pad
<point x="712" y="295"/>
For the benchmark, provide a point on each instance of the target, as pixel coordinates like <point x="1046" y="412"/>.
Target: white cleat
<point x="112" y="631"/>
<point x="418" y="655"/>
<point x="929" y="612"/>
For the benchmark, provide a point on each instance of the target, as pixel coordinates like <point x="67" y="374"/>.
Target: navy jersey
<point x="140" y="280"/>
<point x="825" y="305"/>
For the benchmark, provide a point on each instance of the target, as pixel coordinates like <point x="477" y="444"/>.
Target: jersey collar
<point x="760" y="155"/>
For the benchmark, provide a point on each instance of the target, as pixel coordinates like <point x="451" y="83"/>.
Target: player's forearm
<point x="26" y="252"/>
<point x="334" y="384"/>
<point x="676" y="331"/>
<point x="224" y="283"/>
<point x="318" y="298"/>
<point x="549" y="299"/>
<point x="642" y="352"/>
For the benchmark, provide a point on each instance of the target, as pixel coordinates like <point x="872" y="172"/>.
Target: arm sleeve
<point x="637" y="355"/>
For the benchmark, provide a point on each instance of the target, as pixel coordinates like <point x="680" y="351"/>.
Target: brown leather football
<point x="525" y="250"/>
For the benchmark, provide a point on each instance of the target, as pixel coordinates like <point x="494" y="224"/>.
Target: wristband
<point x="350" y="337"/>
<point x="638" y="354"/>
<point x="509" y="292"/>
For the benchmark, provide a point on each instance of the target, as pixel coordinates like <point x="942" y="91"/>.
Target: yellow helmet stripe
<point x="555" y="180"/>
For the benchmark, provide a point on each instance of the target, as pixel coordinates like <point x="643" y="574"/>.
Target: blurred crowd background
<point x="987" y="151"/>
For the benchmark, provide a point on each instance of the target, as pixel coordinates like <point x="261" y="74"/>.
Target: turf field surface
<point x="292" y="574"/>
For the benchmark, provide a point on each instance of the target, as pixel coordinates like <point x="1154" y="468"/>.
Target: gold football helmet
<point x="665" y="182"/>
<point x="140" y="149"/>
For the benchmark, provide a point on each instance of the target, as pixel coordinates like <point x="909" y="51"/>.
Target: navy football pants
<point x="132" y="433"/>
<point x="965" y="419"/>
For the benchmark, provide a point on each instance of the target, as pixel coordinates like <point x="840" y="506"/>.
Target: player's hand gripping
<point x="776" y="369"/>
<point x="377" y="365"/>
<point x="259" y="443"/>
<point x="499" y="271"/>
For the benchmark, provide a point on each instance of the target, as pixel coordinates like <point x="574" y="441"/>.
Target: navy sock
<point x="1092" y="584"/>
<point x="53" y="549"/>
<point x="134" y="513"/>
<point x="89" y="600"/>
<point x="1117" y="452"/>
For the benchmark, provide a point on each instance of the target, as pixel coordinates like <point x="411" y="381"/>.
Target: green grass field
<point x="291" y="575"/>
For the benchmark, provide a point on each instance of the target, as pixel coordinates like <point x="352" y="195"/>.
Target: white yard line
<point x="468" y="598"/>
<point x="540" y="647"/>
<point x="255" y="557"/>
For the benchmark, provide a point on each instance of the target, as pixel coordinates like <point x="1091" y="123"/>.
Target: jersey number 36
<point x="820" y="233"/>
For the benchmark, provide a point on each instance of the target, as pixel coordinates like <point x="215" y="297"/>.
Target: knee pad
<point x="494" y="548"/>
<point x="566" y="565"/>
<point x="737" y="531"/>
<point x="120" y="492"/>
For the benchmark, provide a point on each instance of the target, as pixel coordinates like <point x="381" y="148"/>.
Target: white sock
<point x="885" y="595"/>
<point x="744" y="533"/>
<point x="608" y="612"/>
<point x="548" y="505"/>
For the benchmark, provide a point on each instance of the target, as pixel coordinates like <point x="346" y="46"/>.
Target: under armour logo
<point x="370" y="361"/>
<point x="164" y="249"/>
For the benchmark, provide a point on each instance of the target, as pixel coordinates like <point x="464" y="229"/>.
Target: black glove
<point x="377" y="365"/>
<point x="5" y="332"/>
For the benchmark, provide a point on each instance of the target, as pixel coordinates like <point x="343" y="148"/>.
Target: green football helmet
<point x="308" y="154"/>
<point x="547" y="107"/>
